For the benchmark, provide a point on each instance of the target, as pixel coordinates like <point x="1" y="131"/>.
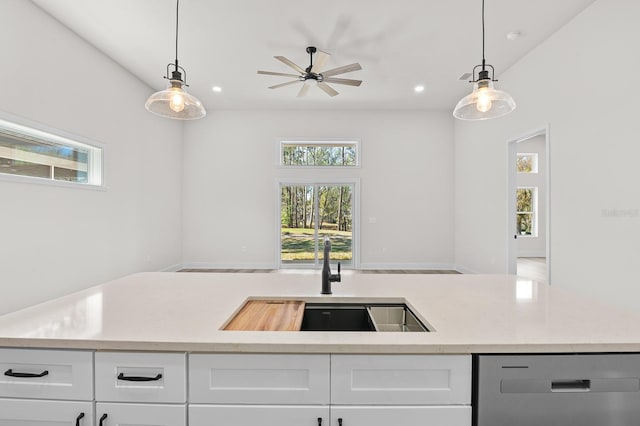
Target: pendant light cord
<point x="482" y="35"/>
<point x="177" y="11"/>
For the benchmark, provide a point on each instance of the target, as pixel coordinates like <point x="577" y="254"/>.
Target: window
<point x="526" y="215"/>
<point x="319" y="153"/>
<point x="527" y="162"/>
<point x="33" y="153"/>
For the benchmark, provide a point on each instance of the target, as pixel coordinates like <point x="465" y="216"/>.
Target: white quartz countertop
<point x="186" y="311"/>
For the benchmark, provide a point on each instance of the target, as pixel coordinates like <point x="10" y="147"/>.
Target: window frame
<point x="282" y="142"/>
<point x="31" y="130"/>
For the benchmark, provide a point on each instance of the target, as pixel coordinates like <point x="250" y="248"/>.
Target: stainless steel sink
<point x="364" y="317"/>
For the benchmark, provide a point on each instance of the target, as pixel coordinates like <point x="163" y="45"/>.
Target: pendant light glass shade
<point x="174" y="102"/>
<point x="485" y="102"/>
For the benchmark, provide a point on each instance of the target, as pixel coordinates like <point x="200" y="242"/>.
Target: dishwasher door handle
<point x="583" y="385"/>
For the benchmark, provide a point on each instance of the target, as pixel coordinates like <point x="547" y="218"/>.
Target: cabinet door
<point x="31" y="412"/>
<point x="140" y="414"/>
<point x="141" y="377"/>
<point x="258" y="415"/>
<point x="46" y="374"/>
<point x="398" y="415"/>
<point x="400" y="379"/>
<point x="259" y="379"/>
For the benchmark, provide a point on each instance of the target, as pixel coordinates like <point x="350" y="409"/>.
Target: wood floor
<point x="534" y="268"/>
<point x="363" y="271"/>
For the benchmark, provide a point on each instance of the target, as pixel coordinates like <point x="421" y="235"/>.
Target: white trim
<point x="172" y="268"/>
<point x="512" y="248"/>
<point x="355" y="214"/>
<point x="217" y="265"/>
<point x="409" y="266"/>
<point x="464" y="269"/>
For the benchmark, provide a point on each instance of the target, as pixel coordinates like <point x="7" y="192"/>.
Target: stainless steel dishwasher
<point x="557" y="390"/>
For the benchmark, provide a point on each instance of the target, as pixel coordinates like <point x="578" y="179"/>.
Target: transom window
<point x="527" y="162"/>
<point x="34" y="153"/>
<point x="319" y="153"/>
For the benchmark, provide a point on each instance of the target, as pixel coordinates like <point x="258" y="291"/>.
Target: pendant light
<point x="485" y="101"/>
<point x="174" y="102"/>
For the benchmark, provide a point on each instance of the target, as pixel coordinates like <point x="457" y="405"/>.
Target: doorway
<point x="311" y="212"/>
<point x="528" y="200"/>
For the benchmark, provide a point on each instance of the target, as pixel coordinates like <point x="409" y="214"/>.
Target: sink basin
<point x="360" y="317"/>
<point x="336" y="317"/>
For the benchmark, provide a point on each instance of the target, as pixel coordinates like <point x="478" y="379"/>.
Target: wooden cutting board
<point x="268" y="315"/>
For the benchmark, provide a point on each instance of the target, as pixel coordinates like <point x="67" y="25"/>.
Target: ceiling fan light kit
<point x="485" y="102"/>
<point x="174" y="102"/>
<point x="313" y="75"/>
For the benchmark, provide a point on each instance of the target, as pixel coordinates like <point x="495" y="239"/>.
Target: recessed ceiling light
<point x="513" y="35"/>
<point x="419" y="89"/>
<point x="217" y="89"/>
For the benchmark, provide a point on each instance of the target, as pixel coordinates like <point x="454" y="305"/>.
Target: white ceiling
<point x="400" y="44"/>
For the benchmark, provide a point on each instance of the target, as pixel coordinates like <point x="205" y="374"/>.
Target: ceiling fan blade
<point x="342" y="70"/>
<point x="347" y="81"/>
<point x="278" y="73"/>
<point x="289" y="63"/>
<point x="303" y="90"/>
<point x="321" y="59"/>
<point x="284" y="84"/>
<point x="327" y="89"/>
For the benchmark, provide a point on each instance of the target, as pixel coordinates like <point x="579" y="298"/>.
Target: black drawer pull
<point x="11" y="373"/>
<point x="340" y="421"/>
<point x="81" y="415"/>
<point x="121" y="376"/>
<point x="103" y="418"/>
<point x="319" y="421"/>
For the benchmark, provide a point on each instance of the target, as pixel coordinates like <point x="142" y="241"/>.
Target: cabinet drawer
<point x="121" y="414"/>
<point x="141" y="377"/>
<point x="398" y="415"/>
<point x="259" y="379"/>
<point x="401" y="379"/>
<point x="252" y="415"/>
<point x="45" y="413"/>
<point x="51" y="374"/>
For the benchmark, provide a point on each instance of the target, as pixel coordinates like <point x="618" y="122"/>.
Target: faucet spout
<point x="327" y="276"/>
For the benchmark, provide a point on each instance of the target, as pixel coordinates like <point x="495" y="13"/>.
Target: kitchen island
<point x="187" y="311"/>
<point x="151" y="348"/>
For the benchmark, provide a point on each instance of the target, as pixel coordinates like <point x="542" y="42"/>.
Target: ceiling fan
<point x="313" y="74"/>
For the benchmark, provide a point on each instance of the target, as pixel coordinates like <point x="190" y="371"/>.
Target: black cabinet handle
<point x="103" y="418"/>
<point x="121" y="376"/>
<point x="81" y="415"/>
<point x="340" y="421"/>
<point x="319" y="421"/>
<point x="11" y="373"/>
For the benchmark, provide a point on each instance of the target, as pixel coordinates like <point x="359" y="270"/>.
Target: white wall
<point x="57" y="240"/>
<point x="535" y="245"/>
<point x="581" y="82"/>
<point x="230" y="170"/>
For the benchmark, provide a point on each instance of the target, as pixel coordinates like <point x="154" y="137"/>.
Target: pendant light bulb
<point x="177" y="100"/>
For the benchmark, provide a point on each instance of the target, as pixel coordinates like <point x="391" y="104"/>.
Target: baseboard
<point x="214" y="265"/>
<point x="172" y="268"/>
<point x="408" y="266"/>
<point x="463" y="269"/>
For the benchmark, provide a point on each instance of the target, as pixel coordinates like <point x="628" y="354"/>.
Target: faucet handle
<point x="338" y="267"/>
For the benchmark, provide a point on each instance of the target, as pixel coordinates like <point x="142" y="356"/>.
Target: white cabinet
<point x="141" y="377"/>
<point x="401" y="379"/>
<point x="31" y="412"/>
<point x="120" y="414"/>
<point x="259" y="379"/>
<point x="407" y="390"/>
<point x="46" y="374"/>
<point x="141" y="389"/>
<point x="257" y="389"/>
<point x="258" y="415"/>
<point x="401" y="415"/>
